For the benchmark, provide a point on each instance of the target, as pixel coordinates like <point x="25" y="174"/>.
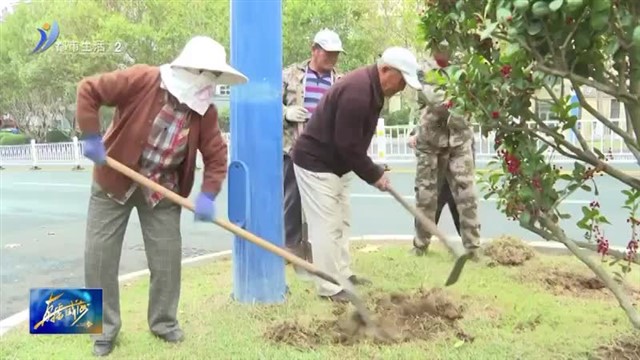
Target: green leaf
<point x="488" y="31"/>
<point x="582" y="40"/>
<point x="525" y="218"/>
<point x="578" y="169"/>
<point x="555" y="5"/>
<point x="540" y="9"/>
<point x="521" y="5"/>
<point x="565" y="216"/>
<point x="526" y="193"/>
<point x="599" y="153"/>
<point x="583" y="224"/>
<point x="586" y="188"/>
<point x="502" y="14"/>
<point x="493" y="178"/>
<point x="534" y="28"/>
<point x="612" y="47"/>
<point x="511" y="49"/>
<point x="601" y="6"/>
<point x="603" y="220"/>
<point x="600" y="20"/>
<point x="458" y="344"/>
<point x="636" y="36"/>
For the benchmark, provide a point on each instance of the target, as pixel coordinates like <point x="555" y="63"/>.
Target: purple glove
<point x="94" y="149"/>
<point x="205" y="207"/>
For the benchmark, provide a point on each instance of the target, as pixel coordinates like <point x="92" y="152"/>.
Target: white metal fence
<point x="389" y="145"/>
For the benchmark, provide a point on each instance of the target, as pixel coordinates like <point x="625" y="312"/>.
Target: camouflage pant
<point x="456" y="165"/>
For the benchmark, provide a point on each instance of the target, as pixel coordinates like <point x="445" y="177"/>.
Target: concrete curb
<point x="546" y="247"/>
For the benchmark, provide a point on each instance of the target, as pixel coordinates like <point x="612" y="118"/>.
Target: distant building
<point x="222" y="96"/>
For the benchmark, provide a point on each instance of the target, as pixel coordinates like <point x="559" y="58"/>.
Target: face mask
<point x="194" y="90"/>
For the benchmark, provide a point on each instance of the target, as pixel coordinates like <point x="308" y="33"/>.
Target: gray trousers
<point x="106" y="226"/>
<point x="295" y="234"/>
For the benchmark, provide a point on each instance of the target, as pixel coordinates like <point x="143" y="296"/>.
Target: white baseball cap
<point x="404" y="61"/>
<point x="328" y="40"/>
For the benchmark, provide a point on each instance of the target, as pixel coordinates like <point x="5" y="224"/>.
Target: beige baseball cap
<point x="328" y="40"/>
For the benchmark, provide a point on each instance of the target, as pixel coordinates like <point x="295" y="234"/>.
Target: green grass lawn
<point x="521" y="312"/>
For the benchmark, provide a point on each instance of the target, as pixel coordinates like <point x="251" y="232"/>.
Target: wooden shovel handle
<point x="184" y="202"/>
<point x="429" y="225"/>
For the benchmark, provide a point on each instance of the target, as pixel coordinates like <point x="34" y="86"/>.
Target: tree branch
<point x="581" y="139"/>
<point x="616" y="254"/>
<point x="612" y="285"/>
<point x="582" y="156"/>
<point x="574" y="78"/>
<point x="631" y="143"/>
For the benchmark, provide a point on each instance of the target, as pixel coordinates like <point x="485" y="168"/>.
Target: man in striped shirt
<point x="303" y="85"/>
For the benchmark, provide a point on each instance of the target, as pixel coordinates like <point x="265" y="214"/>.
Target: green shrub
<point x="399" y="117"/>
<point x="55" y="136"/>
<point x="14" y="139"/>
<point x="223" y="118"/>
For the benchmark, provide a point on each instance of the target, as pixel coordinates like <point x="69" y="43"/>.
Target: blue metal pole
<point x="255" y="172"/>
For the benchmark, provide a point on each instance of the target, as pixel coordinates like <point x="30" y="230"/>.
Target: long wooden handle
<point x="220" y="222"/>
<point x="429" y="225"/>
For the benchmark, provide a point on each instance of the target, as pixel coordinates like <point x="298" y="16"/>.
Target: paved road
<point x="43" y="219"/>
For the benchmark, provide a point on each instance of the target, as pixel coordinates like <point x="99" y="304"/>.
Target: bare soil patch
<point x="424" y="315"/>
<point x="508" y="251"/>
<point x="627" y="348"/>
<point x="574" y="283"/>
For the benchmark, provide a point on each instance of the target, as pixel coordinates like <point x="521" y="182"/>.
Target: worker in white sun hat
<point x="303" y="86"/>
<point x="164" y="115"/>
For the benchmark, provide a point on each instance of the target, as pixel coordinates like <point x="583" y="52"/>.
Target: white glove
<point x="296" y="114"/>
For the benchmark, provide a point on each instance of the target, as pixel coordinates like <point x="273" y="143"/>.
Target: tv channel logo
<point x="65" y="311"/>
<point x="48" y="35"/>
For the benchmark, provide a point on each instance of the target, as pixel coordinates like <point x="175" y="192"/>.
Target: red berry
<point x="506" y="70"/>
<point x="441" y="59"/>
<point x="495" y="114"/>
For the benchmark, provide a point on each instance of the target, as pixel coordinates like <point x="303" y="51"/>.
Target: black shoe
<point x="357" y="280"/>
<point x="340" y="297"/>
<point x="102" y="347"/>
<point x="173" y="337"/>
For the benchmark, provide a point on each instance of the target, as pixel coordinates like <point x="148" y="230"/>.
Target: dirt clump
<point x="508" y="251"/>
<point x="422" y="316"/>
<point x="627" y="348"/>
<point x="292" y="333"/>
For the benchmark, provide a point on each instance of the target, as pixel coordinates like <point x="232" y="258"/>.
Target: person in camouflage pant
<point x="303" y="85"/>
<point x="445" y="197"/>
<point x="445" y="156"/>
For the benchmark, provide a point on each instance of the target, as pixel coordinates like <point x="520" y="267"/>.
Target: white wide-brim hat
<point x="204" y="53"/>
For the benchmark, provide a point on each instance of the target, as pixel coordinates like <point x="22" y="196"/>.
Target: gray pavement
<point x="43" y="217"/>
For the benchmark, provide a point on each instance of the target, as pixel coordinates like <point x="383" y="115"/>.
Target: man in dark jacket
<point x="333" y="144"/>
